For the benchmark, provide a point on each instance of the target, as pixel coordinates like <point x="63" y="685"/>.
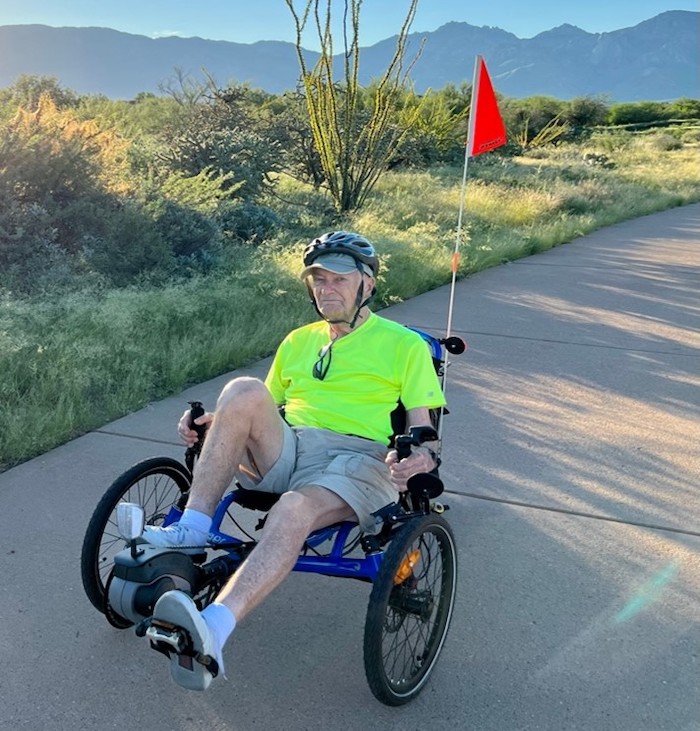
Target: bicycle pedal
<point x="167" y="637"/>
<point x="206" y="660"/>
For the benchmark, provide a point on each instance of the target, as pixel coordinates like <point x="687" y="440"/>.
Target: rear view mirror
<point x="130" y="520"/>
<point x="454" y="345"/>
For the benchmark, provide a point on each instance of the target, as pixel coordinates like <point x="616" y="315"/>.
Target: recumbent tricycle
<point x="411" y="561"/>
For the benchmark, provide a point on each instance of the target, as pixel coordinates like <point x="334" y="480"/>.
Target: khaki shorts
<point x="351" y="467"/>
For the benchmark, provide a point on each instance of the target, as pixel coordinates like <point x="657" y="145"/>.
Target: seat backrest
<point x="398" y="415"/>
<point x="435" y="347"/>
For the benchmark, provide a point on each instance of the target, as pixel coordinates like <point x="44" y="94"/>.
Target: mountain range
<point x="654" y="60"/>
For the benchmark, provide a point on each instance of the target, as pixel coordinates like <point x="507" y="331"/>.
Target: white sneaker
<point x="175" y="536"/>
<point x="194" y="666"/>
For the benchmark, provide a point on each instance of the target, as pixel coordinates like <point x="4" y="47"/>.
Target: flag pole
<point x="462" y="197"/>
<point x="460" y="219"/>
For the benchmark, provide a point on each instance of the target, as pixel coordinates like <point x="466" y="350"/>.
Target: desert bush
<point x="30" y="258"/>
<point x="186" y="231"/>
<point x="45" y="158"/>
<point x="611" y="141"/>
<point x="527" y="118"/>
<point x="585" y="112"/>
<point x="247" y="222"/>
<point x="143" y="117"/>
<point x="663" y="142"/>
<point x="684" y="108"/>
<point x="436" y="128"/>
<point x="690" y="136"/>
<point x="29" y="91"/>
<point x="129" y="246"/>
<point x="242" y="159"/>
<point x="285" y="120"/>
<point x="637" y="112"/>
<point x="59" y="175"/>
<point x="218" y="133"/>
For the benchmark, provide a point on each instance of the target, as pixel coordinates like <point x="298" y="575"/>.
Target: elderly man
<point x="338" y="381"/>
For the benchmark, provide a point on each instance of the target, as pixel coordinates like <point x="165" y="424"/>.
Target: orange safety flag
<point x="486" y="128"/>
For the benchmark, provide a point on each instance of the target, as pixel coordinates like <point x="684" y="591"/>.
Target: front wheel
<point x="155" y="484"/>
<point x="409" y="609"/>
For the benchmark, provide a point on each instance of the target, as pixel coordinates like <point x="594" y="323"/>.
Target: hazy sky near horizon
<point x="244" y="21"/>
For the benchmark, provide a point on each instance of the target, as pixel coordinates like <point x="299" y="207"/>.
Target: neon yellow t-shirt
<point x="371" y="368"/>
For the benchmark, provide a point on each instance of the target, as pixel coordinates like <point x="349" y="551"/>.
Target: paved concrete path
<point x="572" y="456"/>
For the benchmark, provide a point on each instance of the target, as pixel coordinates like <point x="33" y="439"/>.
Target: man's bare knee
<point x="243" y="394"/>
<point x="247" y="413"/>
<point x="308" y="512"/>
<point x="292" y="508"/>
<point x="291" y="504"/>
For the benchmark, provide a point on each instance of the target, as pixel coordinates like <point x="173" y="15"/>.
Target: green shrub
<point x="131" y="246"/>
<point x="29" y="253"/>
<point x="611" y="141"/>
<point x="637" y="112"/>
<point x="242" y="157"/>
<point x="247" y="222"/>
<point x="664" y="142"/>
<point x="27" y="92"/>
<point x="684" y="108"/>
<point x="691" y="136"/>
<point x="585" y="112"/>
<point x="187" y="232"/>
<point x="527" y="118"/>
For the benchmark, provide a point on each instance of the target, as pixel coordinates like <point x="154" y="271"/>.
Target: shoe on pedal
<point x="175" y="536"/>
<point x="178" y="630"/>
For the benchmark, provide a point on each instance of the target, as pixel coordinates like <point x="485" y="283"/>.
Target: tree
<point x="354" y="141"/>
<point x="218" y="132"/>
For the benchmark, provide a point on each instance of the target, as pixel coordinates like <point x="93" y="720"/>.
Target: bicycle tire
<point x="155" y="484"/>
<point x="409" y="610"/>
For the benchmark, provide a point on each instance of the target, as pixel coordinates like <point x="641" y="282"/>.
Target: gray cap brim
<point x="337" y="263"/>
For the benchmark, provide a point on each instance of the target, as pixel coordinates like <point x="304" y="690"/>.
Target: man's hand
<point x="184" y="427"/>
<point x="420" y="460"/>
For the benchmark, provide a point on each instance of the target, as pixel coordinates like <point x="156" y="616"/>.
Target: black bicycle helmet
<point x="343" y="242"/>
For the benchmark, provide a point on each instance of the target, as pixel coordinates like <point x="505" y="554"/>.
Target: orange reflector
<point x="406" y="568"/>
<point x="455" y="261"/>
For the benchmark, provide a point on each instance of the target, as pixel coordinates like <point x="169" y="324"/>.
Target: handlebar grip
<point x="403" y="444"/>
<point x="197" y="410"/>
<point x="415" y="437"/>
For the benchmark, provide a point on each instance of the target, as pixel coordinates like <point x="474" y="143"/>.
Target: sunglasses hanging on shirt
<point x="321" y="366"/>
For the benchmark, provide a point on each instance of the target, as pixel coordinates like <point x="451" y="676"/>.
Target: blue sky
<point x="247" y="21"/>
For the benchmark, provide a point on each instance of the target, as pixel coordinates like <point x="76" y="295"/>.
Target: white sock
<point x="221" y="622"/>
<point x="197" y="521"/>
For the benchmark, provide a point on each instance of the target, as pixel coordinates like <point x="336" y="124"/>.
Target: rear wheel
<point x="409" y="609"/>
<point x="155" y="484"/>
